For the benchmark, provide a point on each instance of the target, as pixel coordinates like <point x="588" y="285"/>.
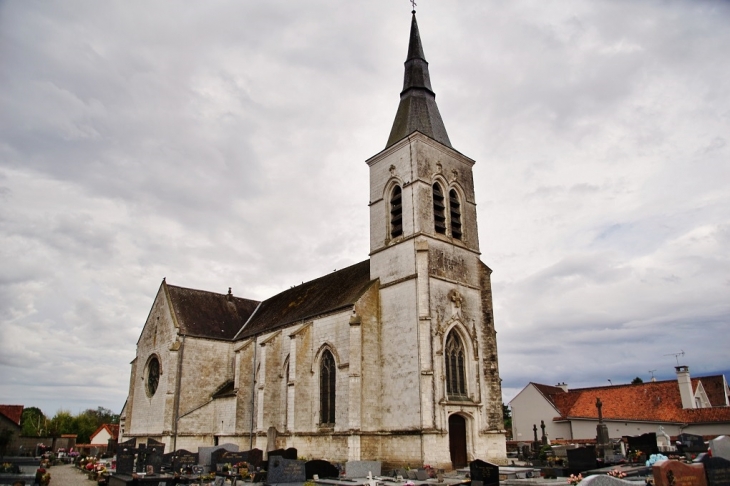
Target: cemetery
<point x="631" y="462"/>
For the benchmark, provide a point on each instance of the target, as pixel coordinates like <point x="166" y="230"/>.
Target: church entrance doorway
<point x="457" y="440"/>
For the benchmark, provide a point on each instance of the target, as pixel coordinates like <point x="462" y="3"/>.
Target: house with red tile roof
<point x="12" y="413"/>
<point x="686" y="405"/>
<point x="102" y="435"/>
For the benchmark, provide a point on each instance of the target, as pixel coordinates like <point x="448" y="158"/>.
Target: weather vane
<point x="413" y="4"/>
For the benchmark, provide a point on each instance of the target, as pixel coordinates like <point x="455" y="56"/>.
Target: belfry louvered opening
<point x="396" y="212"/>
<point x="439" y="209"/>
<point x="455" y="213"/>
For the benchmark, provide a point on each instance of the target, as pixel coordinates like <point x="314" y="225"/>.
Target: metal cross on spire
<point x="413" y="4"/>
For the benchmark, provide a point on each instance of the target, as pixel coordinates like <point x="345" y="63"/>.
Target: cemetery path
<point x="67" y="475"/>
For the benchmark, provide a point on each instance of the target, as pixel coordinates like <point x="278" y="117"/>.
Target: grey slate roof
<point x="335" y="291"/>
<point x="417" y="110"/>
<point x="208" y="314"/>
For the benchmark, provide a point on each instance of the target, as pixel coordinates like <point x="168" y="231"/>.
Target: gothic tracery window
<point x="439" y="207"/>
<point x="327" y="382"/>
<point x="455" y="213"/>
<point x="153" y="376"/>
<point x="396" y="212"/>
<point x="455" y="366"/>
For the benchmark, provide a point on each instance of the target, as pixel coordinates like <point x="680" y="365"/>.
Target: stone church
<point x="391" y="359"/>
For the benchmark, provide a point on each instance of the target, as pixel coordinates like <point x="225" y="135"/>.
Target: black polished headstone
<point x="183" y="459"/>
<point x="645" y="443"/>
<point x="155" y="450"/>
<point x="282" y="470"/>
<point x="290" y="453"/>
<point x="254" y="458"/>
<point x="421" y="475"/>
<point x="125" y="456"/>
<point x="690" y="443"/>
<point x="222" y="456"/>
<point x="483" y="473"/>
<point x="323" y="469"/>
<point x="581" y="459"/>
<point x="717" y="470"/>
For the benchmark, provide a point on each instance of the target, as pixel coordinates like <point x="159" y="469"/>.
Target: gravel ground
<point x="67" y="475"/>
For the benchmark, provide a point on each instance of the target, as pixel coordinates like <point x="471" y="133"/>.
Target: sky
<point x="222" y="144"/>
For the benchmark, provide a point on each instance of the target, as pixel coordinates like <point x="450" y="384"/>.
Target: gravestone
<point x="125" y="456"/>
<point x="183" y="459"/>
<point x="675" y="473"/>
<point x="271" y="440"/>
<point x="155" y="450"/>
<point x="605" y="480"/>
<point x="646" y="443"/>
<point x="360" y="469"/>
<point x="483" y="473"/>
<point x="223" y="456"/>
<point x="411" y="473"/>
<point x="690" y="443"/>
<point x="323" y="469"/>
<point x="717" y="470"/>
<point x="204" y="453"/>
<point x="421" y="475"/>
<point x="720" y="447"/>
<point x="254" y="458"/>
<point x="581" y="459"/>
<point x="283" y="470"/>
<point x="290" y="453"/>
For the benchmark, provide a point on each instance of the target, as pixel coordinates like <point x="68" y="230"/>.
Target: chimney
<point x="685" y="387"/>
<point x="564" y="386"/>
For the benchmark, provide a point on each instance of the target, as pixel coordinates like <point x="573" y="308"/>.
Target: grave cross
<point x="544" y="437"/>
<point x="413" y="4"/>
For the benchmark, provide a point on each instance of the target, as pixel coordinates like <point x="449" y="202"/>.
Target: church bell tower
<point x="438" y="343"/>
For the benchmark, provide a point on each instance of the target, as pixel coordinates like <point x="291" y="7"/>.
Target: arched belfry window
<point x="455" y="212"/>
<point x="327" y="385"/>
<point x="455" y="366"/>
<point x="396" y="212"/>
<point x="439" y="209"/>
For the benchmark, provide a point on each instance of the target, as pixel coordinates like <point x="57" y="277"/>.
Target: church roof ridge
<point x="320" y="296"/>
<point x="417" y="110"/>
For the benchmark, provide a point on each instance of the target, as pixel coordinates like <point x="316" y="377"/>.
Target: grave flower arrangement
<point x="573" y="479"/>
<point x="617" y="474"/>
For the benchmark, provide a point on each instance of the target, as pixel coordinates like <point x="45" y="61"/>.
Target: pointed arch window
<point x="286" y="394"/>
<point x="439" y="209"/>
<point x="327" y="382"/>
<point x="396" y="212"/>
<point x="455" y="213"/>
<point x="455" y="367"/>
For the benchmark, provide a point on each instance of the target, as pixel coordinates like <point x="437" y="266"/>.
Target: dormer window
<point x="439" y="210"/>
<point x="396" y="212"/>
<point x="455" y="213"/>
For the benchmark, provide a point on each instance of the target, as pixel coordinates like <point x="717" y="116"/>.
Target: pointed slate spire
<point x="417" y="110"/>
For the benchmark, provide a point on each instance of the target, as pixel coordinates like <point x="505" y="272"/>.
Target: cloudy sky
<point x="222" y="143"/>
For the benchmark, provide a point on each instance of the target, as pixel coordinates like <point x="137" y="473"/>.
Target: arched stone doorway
<point x="457" y="440"/>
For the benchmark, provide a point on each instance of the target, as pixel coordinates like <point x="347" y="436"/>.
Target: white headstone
<point x="720" y="447"/>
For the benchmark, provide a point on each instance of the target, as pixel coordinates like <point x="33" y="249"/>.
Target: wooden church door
<point x="457" y="440"/>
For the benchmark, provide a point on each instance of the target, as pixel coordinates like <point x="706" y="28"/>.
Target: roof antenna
<point x="652" y="375"/>
<point x="609" y="380"/>
<point x="676" y="355"/>
<point x="413" y="4"/>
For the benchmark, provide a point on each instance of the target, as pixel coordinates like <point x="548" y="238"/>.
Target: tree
<point x="636" y="381"/>
<point x="5" y="436"/>
<point x="62" y="423"/>
<point x="32" y="422"/>
<point x="507" y="416"/>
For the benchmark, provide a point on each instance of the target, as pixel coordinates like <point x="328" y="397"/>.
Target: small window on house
<point x="327" y="382"/>
<point x="455" y="212"/>
<point x="439" y="210"/>
<point x="455" y="370"/>
<point x="396" y="212"/>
